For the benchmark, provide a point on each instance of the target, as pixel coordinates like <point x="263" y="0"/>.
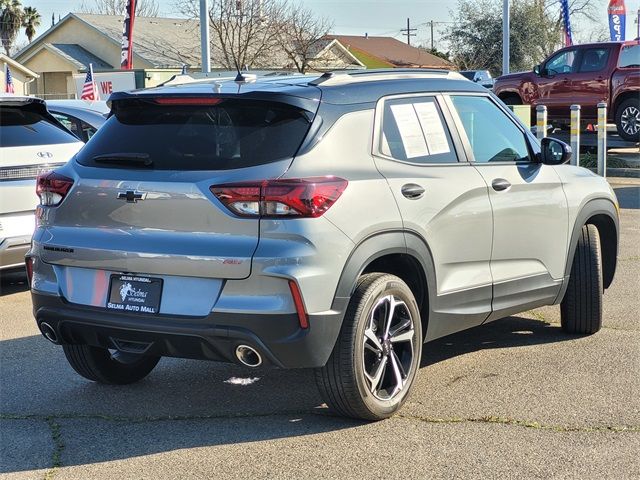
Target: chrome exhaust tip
<point x="248" y="356"/>
<point x="49" y="332"/>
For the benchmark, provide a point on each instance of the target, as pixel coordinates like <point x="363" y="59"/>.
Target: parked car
<point x="584" y="75"/>
<point x="80" y="117"/>
<point x="483" y="77"/>
<point x="336" y="223"/>
<point x="31" y="142"/>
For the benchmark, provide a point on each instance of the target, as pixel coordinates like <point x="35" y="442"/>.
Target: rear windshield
<point x="629" y="56"/>
<point x="231" y="134"/>
<point x="20" y="127"/>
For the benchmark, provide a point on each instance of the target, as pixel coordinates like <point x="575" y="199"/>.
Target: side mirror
<point x="554" y="151"/>
<point x="536" y="70"/>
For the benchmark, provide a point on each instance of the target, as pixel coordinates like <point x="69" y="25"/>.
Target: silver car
<point x="336" y="223"/>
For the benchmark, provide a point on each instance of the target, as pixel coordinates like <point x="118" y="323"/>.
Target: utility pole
<point x="409" y="31"/>
<point x="431" y="25"/>
<point x="204" y="36"/>
<point x="505" y="37"/>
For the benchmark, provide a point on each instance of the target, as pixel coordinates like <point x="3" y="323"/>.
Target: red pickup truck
<point x="584" y="75"/>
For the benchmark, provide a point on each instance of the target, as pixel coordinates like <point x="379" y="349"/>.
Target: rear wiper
<point x="141" y="159"/>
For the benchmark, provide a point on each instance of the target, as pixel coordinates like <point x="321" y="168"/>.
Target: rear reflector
<point x="187" y="101"/>
<point x="28" y="261"/>
<point x="294" y="198"/>
<point x="297" y="300"/>
<point x="52" y="187"/>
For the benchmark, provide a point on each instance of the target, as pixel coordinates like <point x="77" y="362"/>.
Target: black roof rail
<point x="337" y="77"/>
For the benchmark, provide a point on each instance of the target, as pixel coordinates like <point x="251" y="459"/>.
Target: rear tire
<point x="100" y="365"/>
<point x="581" y="307"/>
<point x="375" y="359"/>
<point x="628" y="120"/>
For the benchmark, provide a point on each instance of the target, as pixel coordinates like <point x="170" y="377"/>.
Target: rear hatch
<point x="141" y="199"/>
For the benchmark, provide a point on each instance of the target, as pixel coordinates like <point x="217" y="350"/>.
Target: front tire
<point x="102" y="366"/>
<point x="581" y="307"/>
<point x="628" y="120"/>
<point x="377" y="355"/>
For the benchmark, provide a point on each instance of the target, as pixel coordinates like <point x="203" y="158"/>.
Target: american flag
<point x="90" y="89"/>
<point x="9" y="81"/>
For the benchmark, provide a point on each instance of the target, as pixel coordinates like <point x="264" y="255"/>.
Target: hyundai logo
<point x="45" y="154"/>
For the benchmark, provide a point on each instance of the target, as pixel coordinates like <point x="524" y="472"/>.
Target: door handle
<point x="412" y="191"/>
<point x="565" y="80"/>
<point x="500" y="184"/>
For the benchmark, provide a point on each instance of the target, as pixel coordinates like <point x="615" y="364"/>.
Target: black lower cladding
<point x="278" y="338"/>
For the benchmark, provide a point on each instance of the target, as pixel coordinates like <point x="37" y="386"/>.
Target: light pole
<point x="204" y="36"/>
<point x="505" y="37"/>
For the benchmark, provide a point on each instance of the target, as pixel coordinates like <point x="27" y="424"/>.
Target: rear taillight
<point x="52" y="187"/>
<point x="296" y="198"/>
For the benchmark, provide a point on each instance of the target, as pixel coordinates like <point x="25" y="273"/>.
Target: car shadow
<point x="185" y="404"/>
<point x="505" y="333"/>
<point x="628" y="196"/>
<point x="13" y="281"/>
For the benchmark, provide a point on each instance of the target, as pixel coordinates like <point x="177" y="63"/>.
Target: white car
<point x="31" y="141"/>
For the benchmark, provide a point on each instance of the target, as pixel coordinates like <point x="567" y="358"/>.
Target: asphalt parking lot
<point x="513" y="399"/>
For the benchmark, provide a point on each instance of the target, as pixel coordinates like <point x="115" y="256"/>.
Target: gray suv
<point x="336" y="223"/>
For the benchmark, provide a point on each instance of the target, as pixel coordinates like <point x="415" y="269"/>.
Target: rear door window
<point x="20" y="127"/>
<point x="594" y="59"/>
<point x="228" y="135"/>
<point x="414" y="131"/>
<point x="629" y="56"/>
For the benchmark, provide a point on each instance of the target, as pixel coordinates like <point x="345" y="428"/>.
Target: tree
<point x="247" y="32"/>
<point x="260" y="33"/>
<point x="536" y="32"/>
<point x="476" y="36"/>
<point x="144" y="8"/>
<point x="30" y="21"/>
<point x="301" y="36"/>
<point x="10" y="22"/>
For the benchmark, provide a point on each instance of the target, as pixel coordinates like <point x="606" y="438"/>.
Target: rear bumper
<point x="277" y="337"/>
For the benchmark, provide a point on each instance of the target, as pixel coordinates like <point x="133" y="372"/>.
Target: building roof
<point x="163" y="42"/>
<point x="377" y="52"/>
<point x="77" y="55"/>
<point x="13" y="65"/>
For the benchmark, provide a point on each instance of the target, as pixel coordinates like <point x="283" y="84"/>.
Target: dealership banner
<point x="568" y="38"/>
<point x="617" y="20"/>
<point x="126" y="59"/>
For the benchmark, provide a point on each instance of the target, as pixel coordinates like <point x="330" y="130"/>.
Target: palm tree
<point x="10" y="22"/>
<point x="30" y="21"/>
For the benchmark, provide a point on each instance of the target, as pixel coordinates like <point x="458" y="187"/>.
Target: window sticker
<point x="410" y="131"/>
<point x="432" y="128"/>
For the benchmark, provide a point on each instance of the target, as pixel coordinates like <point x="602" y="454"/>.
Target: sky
<point x="357" y="17"/>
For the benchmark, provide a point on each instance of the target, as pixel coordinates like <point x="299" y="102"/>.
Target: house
<point x="389" y="52"/>
<point x="21" y="76"/>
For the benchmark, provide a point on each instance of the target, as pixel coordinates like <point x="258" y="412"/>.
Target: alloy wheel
<point x="630" y="120"/>
<point x="388" y="348"/>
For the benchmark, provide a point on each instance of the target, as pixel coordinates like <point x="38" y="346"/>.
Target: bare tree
<point x="247" y="32"/>
<point x="301" y="36"/>
<point x="144" y="8"/>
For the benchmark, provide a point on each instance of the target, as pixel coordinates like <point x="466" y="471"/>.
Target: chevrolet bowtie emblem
<point x="132" y="196"/>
